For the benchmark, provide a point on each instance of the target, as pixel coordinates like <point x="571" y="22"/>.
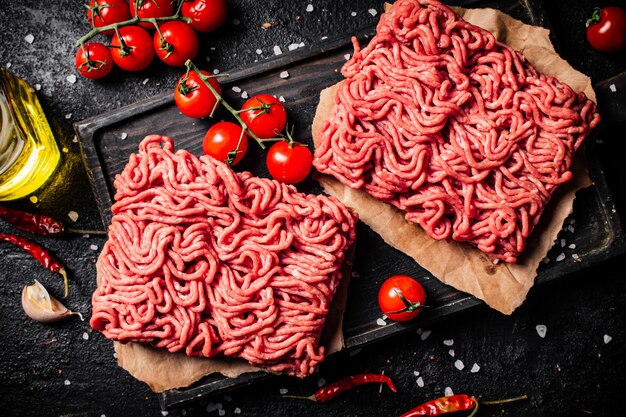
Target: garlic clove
<point x="39" y="305"/>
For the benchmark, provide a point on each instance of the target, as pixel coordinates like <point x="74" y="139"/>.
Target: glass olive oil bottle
<point x="28" y="151"/>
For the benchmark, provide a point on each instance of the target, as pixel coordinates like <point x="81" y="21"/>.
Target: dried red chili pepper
<point x="335" y="389"/>
<point x="39" y="224"/>
<point x="452" y="404"/>
<point x="39" y="253"/>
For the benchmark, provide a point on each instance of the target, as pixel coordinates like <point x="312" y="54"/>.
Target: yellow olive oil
<point x="28" y="151"/>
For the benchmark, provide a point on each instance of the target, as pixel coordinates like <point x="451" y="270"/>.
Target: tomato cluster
<point x="132" y="47"/>
<point x="263" y="117"/>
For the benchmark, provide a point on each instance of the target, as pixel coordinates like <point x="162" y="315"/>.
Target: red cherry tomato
<point x="265" y="123"/>
<point x="94" y="60"/>
<point x="178" y="44"/>
<point x="193" y="98"/>
<point x="401" y="297"/>
<point x="206" y="15"/>
<point x="151" y="8"/>
<point x="106" y="12"/>
<point x="137" y="52"/>
<point x="222" y="139"/>
<point x="606" y="29"/>
<point x="290" y="164"/>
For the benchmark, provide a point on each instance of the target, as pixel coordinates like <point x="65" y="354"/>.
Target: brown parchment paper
<point x="502" y="286"/>
<point x="163" y="370"/>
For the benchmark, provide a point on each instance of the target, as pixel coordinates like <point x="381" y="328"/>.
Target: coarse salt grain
<point x="575" y="256"/>
<point x="570" y="228"/>
<point x="425" y="334"/>
<point x="67" y="382"/>
<point x="123" y="136"/>
<point x="37" y="87"/>
<point x="563" y="243"/>
<point x="292" y="46"/>
<point x="145" y="81"/>
<point x="68" y="116"/>
<point x="420" y="382"/>
<point x="283" y="391"/>
<point x="301" y="45"/>
<point x="381" y="322"/>
<point x="85" y="336"/>
<point x="458" y="364"/>
<point x="541" y="330"/>
<point x="309" y="8"/>
<point x="237" y="410"/>
<point x="324" y="38"/>
<point x="284" y="74"/>
<point x="346" y="57"/>
<point x="8" y="65"/>
<point x="613" y="88"/>
<point x="321" y="382"/>
<point x="93" y="247"/>
<point x="72" y="215"/>
<point x="560" y="257"/>
<point x="572" y="246"/>
<point x="277" y="50"/>
<point x="115" y="355"/>
<point x="71" y="78"/>
<point x="259" y="51"/>
<point x="451" y="352"/>
<point x="448" y="342"/>
<point x="475" y="368"/>
<point x="607" y="338"/>
<point x="416" y="373"/>
<point x="352" y="14"/>
<point x="29" y="38"/>
<point x="244" y="94"/>
<point x="221" y="412"/>
<point x="165" y="413"/>
<point x="373" y="12"/>
<point x="281" y="99"/>
<point x="236" y="89"/>
<point x="448" y="392"/>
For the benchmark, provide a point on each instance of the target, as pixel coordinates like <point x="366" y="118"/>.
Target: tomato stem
<point x="595" y="17"/>
<point x="409" y="307"/>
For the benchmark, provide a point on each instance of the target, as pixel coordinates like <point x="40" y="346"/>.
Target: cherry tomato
<point x="606" y="29"/>
<point x="151" y="8"/>
<point x="287" y="163"/>
<point x="178" y="44"/>
<point x="193" y="98"/>
<point x="137" y="53"/>
<point x="401" y="297"/>
<point x="106" y="12"/>
<point x="94" y="60"/>
<point x="206" y="15"/>
<point x="222" y="138"/>
<point x="265" y="123"/>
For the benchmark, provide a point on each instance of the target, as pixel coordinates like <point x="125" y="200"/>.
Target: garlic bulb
<point x="39" y="305"/>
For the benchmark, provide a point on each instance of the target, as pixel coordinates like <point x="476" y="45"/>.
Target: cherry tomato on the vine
<point x="136" y="52"/>
<point x="206" y="15"/>
<point x="151" y="8"/>
<point x="265" y="122"/>
<point x="93" y="60"/>
<point x="287" y="163"/>
<point x="106" y="12"/>
<point x="193" y="98"/>
<point x="221" y="141"/>
<point x="178" y="44"/>
<point x="401" y="298"/>
<point x="606" y="29"/>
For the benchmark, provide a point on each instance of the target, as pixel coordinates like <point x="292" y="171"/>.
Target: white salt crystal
<point x="29" y="38"/>
<point x="416" y="373"/>
<point x="451" y="352"/>
<point x="283" y="391"/>
<point x="572" y="246"/>
<point x="164" y="413"/>
<point x="352" y="14"/>
<point x="277" y="50"/>
<point x="346" y="57"/>
<point x="221" y="412"/>
<point x="259" y="51"/>
<point x="381" y="322"/>
<point x="68" y="116"/>
<point x="475" y="368"/>
<point x="123" y="136"/>
<point x="72" y="215"/>
<point x="115" y="355"/>
<point x="458" y="364"/>
<point x="541" y="330"/>
<point x="570" y="228"/>
<point x="321" y="382"/>
<point x="301" y="45"/>
<point x="575" y="256"/>
<point x="562" y="243"/>
<point x="448" y="342"/>
<point x="560" y="257"/>
<point x="420" y="382"/>
<point x="607" y="338"/>
<point x="85" y="336"/>
<point x="448" y="392"/>
<point x="145" y="81"/>
<point x="103" y="415"/>
<point x="425" y="334"/>
<point x="236" y="89"/>
<point x="324" y="38"/>
<point x="237" y="410"/>
<point x="292" y="46"/>
<point x="8" y="65"/>
<point x="613" y="88"/>
<point x="373" y="12"/>
<point x="284" y="74"/>
<point x="309" y="8"/>
<point x="37" y="87"/>
<point x="71" y="78"/>
<point x="244" y="94"/>
<point x="281" y="99"/>
<point x="93" y="247"/>
<point x="75" y="140"/>
<point x="216" y="71"/>
<point x="67" y="382"/>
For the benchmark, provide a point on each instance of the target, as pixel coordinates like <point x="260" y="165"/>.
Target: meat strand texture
<point x="210" y="262"/>
<point x="456" y="129"/>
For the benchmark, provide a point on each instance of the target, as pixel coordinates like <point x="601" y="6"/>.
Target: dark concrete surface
<point x="66" y="369"/>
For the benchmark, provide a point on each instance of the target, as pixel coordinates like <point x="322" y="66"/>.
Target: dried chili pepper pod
<point x="39" y="224"/>
<point x="335" y="389"/>
<point x="452" y="404"/>
<point x="39" y="253"/>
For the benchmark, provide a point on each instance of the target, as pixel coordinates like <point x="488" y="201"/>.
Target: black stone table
<point x="65" y="369"/>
